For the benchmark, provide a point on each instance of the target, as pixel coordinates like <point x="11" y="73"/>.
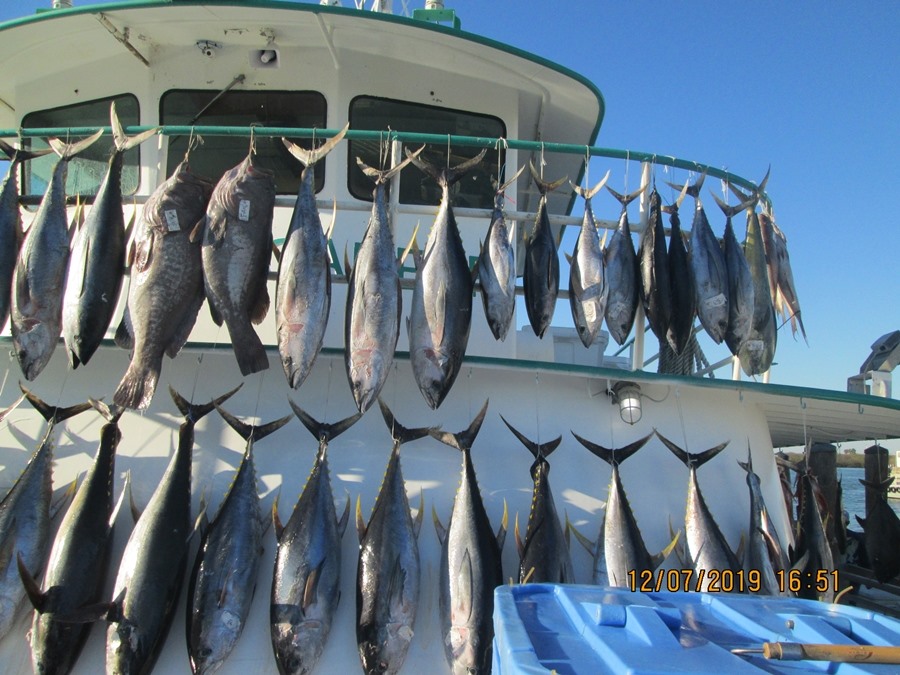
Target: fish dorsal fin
<point x="36" y="596"/>
<point x="464" y="439"/>
<point x="613" y="456"/>
<point x="360" y="522"/>
<point x="276" y="521"/>
<point x="413" y="246"/>
<point x="439" y="528"/>
<point x="658" y="559"/>
<point x="520" y="547"/>
<point x="504" y="524"/>
<point x="322" y="431"/>
<point x="538" y="450"/>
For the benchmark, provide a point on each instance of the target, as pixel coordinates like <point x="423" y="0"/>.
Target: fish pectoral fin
<point x="658" y="559"/>
<point x="214" y="314"/>
<point x="226" y="590"/>
<point x="504" y="522"/>
<point x="584" y="541"/>
<point x="64" y="500"/>
<point x="311" y="587"/>
<point x="360" y="523"/>
<point x="261" y="306"/>
<point x="438" y="526"/>
<point x="462" y="613"/>
<point x="37" y="597"/>
<point x="198" y="230"/>
<point x="395" y="585"/>
<point x="80" y="276"/>
<point x="679" y="550"/>
<point x="276" y="521"/>
<point x="118" y="507"/>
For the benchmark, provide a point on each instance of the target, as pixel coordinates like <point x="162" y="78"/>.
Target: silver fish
<point x="303" y="288"/>
<point x="79" y="559"/>
<point x="39" y="278"/>
<point x="541" y="277"/>
<point x="681" y="283"/>
<point x="764" y="551"/>
<point x="441" y="312"/>
<point x="881" y="528"/>
<point x="152" y="568"/>
<point x="166" y="289"/>
<point x="758" y="351"/>
<point x="223" y="580"/>
<point x="740" y="283"/>
<point x="25" y="514"/>
<point x="622" y="272"/>
<point x="470" y="565"/>
<point x="588" y="282"/>
<point x="781" y="277"/>
<point x="653" y="259"/>
<point x="544" y="555"/>
<point x="374" y="302"/>
<point x="709" y="269"/>
<point x="97" y="261"/>
<point x="707" y="548"/>
<point x="497" y="268"/>
<point x="387" y="576"/>
<point x="620" y="555"/>
<point x="236" y="250"/>
<point x="11" y="222"/>
<point x="306" y="583"/>
<point x="813" y="546"/>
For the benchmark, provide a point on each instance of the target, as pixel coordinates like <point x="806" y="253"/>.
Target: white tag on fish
<point x="172" y="220"/>
<point x="716" y="301"/>
<point x="244" y="210"/>
<point x="754" y="346"/>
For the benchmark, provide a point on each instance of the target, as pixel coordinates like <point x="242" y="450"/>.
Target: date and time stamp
<point x="730" y="581"/>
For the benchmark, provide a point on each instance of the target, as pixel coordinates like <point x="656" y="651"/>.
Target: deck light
<point x="628" y="396"/>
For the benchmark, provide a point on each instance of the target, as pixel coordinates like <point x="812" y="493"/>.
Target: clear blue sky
<point x="810" y="88"/>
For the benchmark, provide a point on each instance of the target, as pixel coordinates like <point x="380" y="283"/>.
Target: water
<point x="854" y="496"/>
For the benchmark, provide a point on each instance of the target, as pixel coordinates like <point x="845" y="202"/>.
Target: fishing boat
<point x="219" y="75"/>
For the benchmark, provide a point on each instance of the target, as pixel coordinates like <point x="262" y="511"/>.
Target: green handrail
<point x="404" y="137"/>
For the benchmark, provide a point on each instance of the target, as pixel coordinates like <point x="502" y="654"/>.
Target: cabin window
<point x="87" y="170"/>
<point x="377" y="114"/>
<point x="218" y="154"/>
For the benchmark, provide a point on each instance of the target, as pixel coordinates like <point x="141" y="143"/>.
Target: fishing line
<point x="262" y="378"/>
<point x="328" y="387"/>
<point x="803" y="414"/>
<point x="681" y="417"/>
<point x="627" y="167"/>
<point x="537" y="409"/>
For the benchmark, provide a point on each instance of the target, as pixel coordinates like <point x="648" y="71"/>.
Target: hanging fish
<point x="813" y="546"/>
<point x="758" y="351"/>
<point x="25" y="514"/>
<point x="881" y="529"/>
<point x="708" y="550"/>
<point x="471" y="566"/>
<point x="544" y="555"/>
<point x="387" y="575"/>
<point x="653" y="258"/>
<point x="588" y="282"/>
<point x="303" y="289"/>
<point x="148" y="582"/>
<point x="223" y="580"/>
<point x="497" y="268"/>
<point x="441" y="311"/>
<point x="79" y="558"/>
<point x="306" y="583"/>
<point x="708" y="268"/>
<point x="236" y="250"/>
<point x="39" y="278"/>
<point x="620" y="555"/>
<point x="781" y="277"/>
<point x="374" y="301"/>
<point x="166" y="289"/>
<point x="622" y="272"/>
<point x="681" y="281"/>
<point x="740" y="282"/>
<point x="541" y="278"/>
<point x="764" y="551"/>
<point x="11" y="222"/>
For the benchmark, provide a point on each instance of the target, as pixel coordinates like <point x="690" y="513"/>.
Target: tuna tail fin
<point x="692" y="190"/>
<point x="625" y="200"/>
<point x="251" y="432"/>
<point x="539" y="450"/>
<point x="122" y="141"/>
<point x="755" y="194"/>
<point x="589" y="194"/>
<point x="732" y="211"/>
<point x="13" y="406"/>
<point x="322" y="431"/>
<point x="446" y="176"/>
<point x="398" y="432"/>
<point x="692" y="460"/>
<point x="500" y="190"/>
<point x="381" y="176"/>
<point x="193" y="412"/>
<point x="52" y="413"/>
<point x="111" y="413"/>
<point x="67" y="151"/>
<point x="877" y="486"/>
<point x="545" y="188"/>
<point x="464" y="439"/>
<point x="613" y="456"/>
<point x="14" y="154"/>
<point x="748" y="465"/>
<point x="309" y="157"/>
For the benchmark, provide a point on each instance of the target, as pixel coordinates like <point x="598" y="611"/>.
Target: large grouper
<point x="471" y="565"/>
